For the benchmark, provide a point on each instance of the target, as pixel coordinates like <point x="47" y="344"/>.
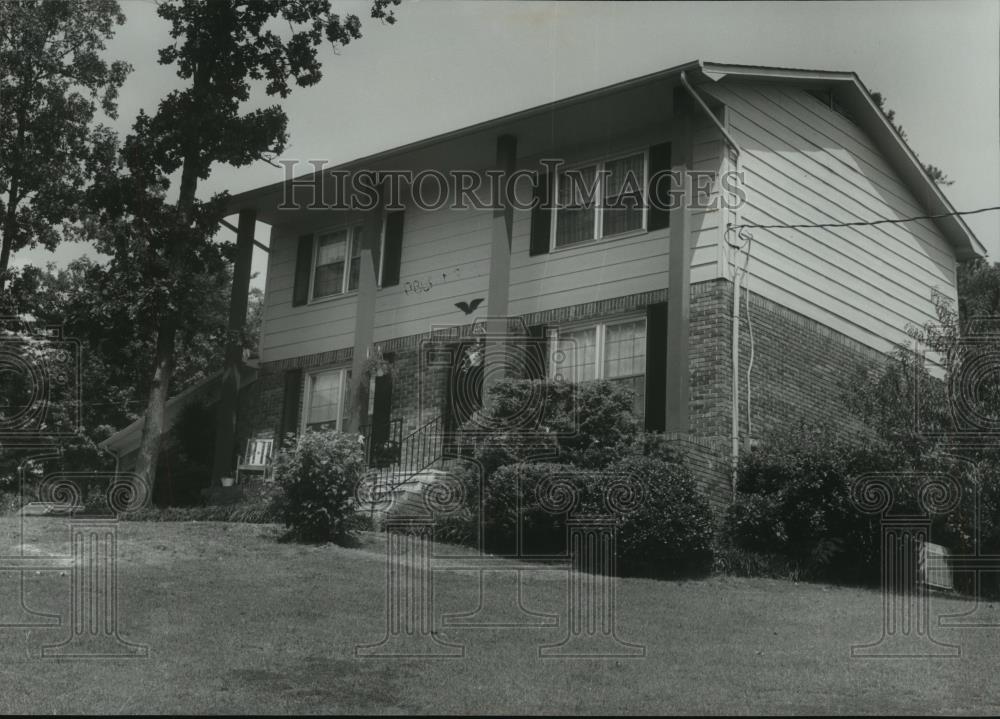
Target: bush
<point x="588" y="425"/>
<point x="668" y="530"/>
<point x="794" y="502"/>
<point x="514" y="499"/>
<point x="319" y="476"/>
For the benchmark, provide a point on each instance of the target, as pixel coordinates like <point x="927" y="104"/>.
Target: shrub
<point x="655" y="446"/>
<point x="668" y="529"/>
<point x="514" y="499"/>
<point x="319" y="475"/>
<point x="588" y="425"/>
<point x="794" y="501"/>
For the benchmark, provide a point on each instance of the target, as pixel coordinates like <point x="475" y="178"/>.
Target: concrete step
<point x="407" y="498"/>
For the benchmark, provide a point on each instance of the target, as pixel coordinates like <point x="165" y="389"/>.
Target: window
<point x="336" y="263"/>
<point x="325" y="393"/>
<point x="613" y="351"/>
<point x="619" y="183"/>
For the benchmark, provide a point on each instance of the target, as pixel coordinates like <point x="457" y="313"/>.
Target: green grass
<point x="237" y="621"/>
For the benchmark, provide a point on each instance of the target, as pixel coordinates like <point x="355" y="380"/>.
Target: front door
<point x="464" y="391"/>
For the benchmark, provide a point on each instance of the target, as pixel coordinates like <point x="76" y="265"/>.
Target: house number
<point x="415" y="287"/>
<point x="418" y="286"/>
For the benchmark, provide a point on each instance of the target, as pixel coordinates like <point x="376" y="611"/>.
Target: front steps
<point x="408" y="499"/>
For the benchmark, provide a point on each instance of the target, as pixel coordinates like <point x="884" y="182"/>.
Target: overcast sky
<point x="445" y="65"/>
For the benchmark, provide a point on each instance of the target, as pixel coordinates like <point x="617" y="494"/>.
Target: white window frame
<point x="600" y="164"/>
<point x="601" y="330"/>
<point x="353" y="230"/>
<point x="307" y="396"/>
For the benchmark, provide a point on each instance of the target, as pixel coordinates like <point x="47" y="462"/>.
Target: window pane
<point x="575" y="357"/>
<point x="575" y="216"/>
<point x="324" y="399"/>
<point x="625" y="349"/>
<point x="352" y="280"/>
<point x="330" y="259"/>
<point x="623" y="194"/>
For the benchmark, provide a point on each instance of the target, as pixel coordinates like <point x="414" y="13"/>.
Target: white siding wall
<point x="445" y="259"/>
<point x="289" y="331"/>
<point x="615" y="267"/>
<point x="805" y="163"/>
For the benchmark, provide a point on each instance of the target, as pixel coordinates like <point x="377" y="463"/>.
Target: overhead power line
<point x="860" y="223"/>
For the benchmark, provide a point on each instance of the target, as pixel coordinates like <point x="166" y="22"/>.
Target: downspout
<point x="736" y="283"/>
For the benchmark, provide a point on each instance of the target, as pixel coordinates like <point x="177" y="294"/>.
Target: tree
<point x="935" y="173"/>
<point x="87" y="301"/>
<point x="219" y="48"/>
<point x="53" y="81"/>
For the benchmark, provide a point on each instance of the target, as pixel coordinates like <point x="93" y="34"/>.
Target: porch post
<point x="498" y="295"/>
<point x="364" y="318"/>
<point x="679" y="291"/>
<point x="229" y="391"/>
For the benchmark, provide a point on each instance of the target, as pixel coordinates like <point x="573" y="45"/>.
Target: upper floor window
<point x="612" y="351"/>
<point x="600" y="200"/>
<point x="336" y="262"/>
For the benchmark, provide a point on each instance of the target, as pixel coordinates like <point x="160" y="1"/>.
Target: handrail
<point x="419" y="450"/>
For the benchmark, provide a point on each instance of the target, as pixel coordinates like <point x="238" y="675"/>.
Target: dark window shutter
<point x="290" y="404"/>
<point x="303" y="268"/>
<point x="541" y="218"/>
<point x="656" y="367"/>
<point x="393" y="248"/>
<point x="659" y="187"/>
<point x="382" y="406"/>
<point x="538" y="353"/>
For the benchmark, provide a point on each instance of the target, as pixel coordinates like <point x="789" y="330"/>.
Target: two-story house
<point x="721" y="332"/>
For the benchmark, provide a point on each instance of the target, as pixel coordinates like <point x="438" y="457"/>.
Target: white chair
<point x="257" y="458"/>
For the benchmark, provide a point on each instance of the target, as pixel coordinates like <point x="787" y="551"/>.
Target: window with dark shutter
<point x="541" y="218"/>
<point x="393" y="248"/>
<point x="659" y="187"/>
<point x="303" y="270"/>
<point x="656" y="367"/>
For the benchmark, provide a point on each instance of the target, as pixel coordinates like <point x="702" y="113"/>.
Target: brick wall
<point x="801" y="372"/>
<point x="260" y="408"/>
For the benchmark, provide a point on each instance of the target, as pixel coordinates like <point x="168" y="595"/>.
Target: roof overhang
<point x="127" y="439"/>
<point x="644" y="92"/>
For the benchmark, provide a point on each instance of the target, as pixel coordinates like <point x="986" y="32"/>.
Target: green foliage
<point x="54" y="82"/>
<point x="795" y="501"/>
<point x="936" y="174"/>
<point x="255" y="512"/>
<point x="585" y="444"/>
<point x="664" y="526"/>
<point x="164" y="250"/>
<point x="185" y="462"/>
<point x="667" y="530"/>
<point x="319" y="477"/>
<point x="588" y="425"/>
<point x="511" y="503"/>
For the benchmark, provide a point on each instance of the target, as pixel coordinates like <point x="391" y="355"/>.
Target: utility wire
<point x="863" y="223"/>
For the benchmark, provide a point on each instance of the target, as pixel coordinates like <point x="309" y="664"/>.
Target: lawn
<point x="236" y="621"/>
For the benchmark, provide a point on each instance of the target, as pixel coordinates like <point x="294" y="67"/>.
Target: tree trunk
<point x="152" y="429"/>
<point x="7" y="238"/>
<point x="149" y="447"/>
